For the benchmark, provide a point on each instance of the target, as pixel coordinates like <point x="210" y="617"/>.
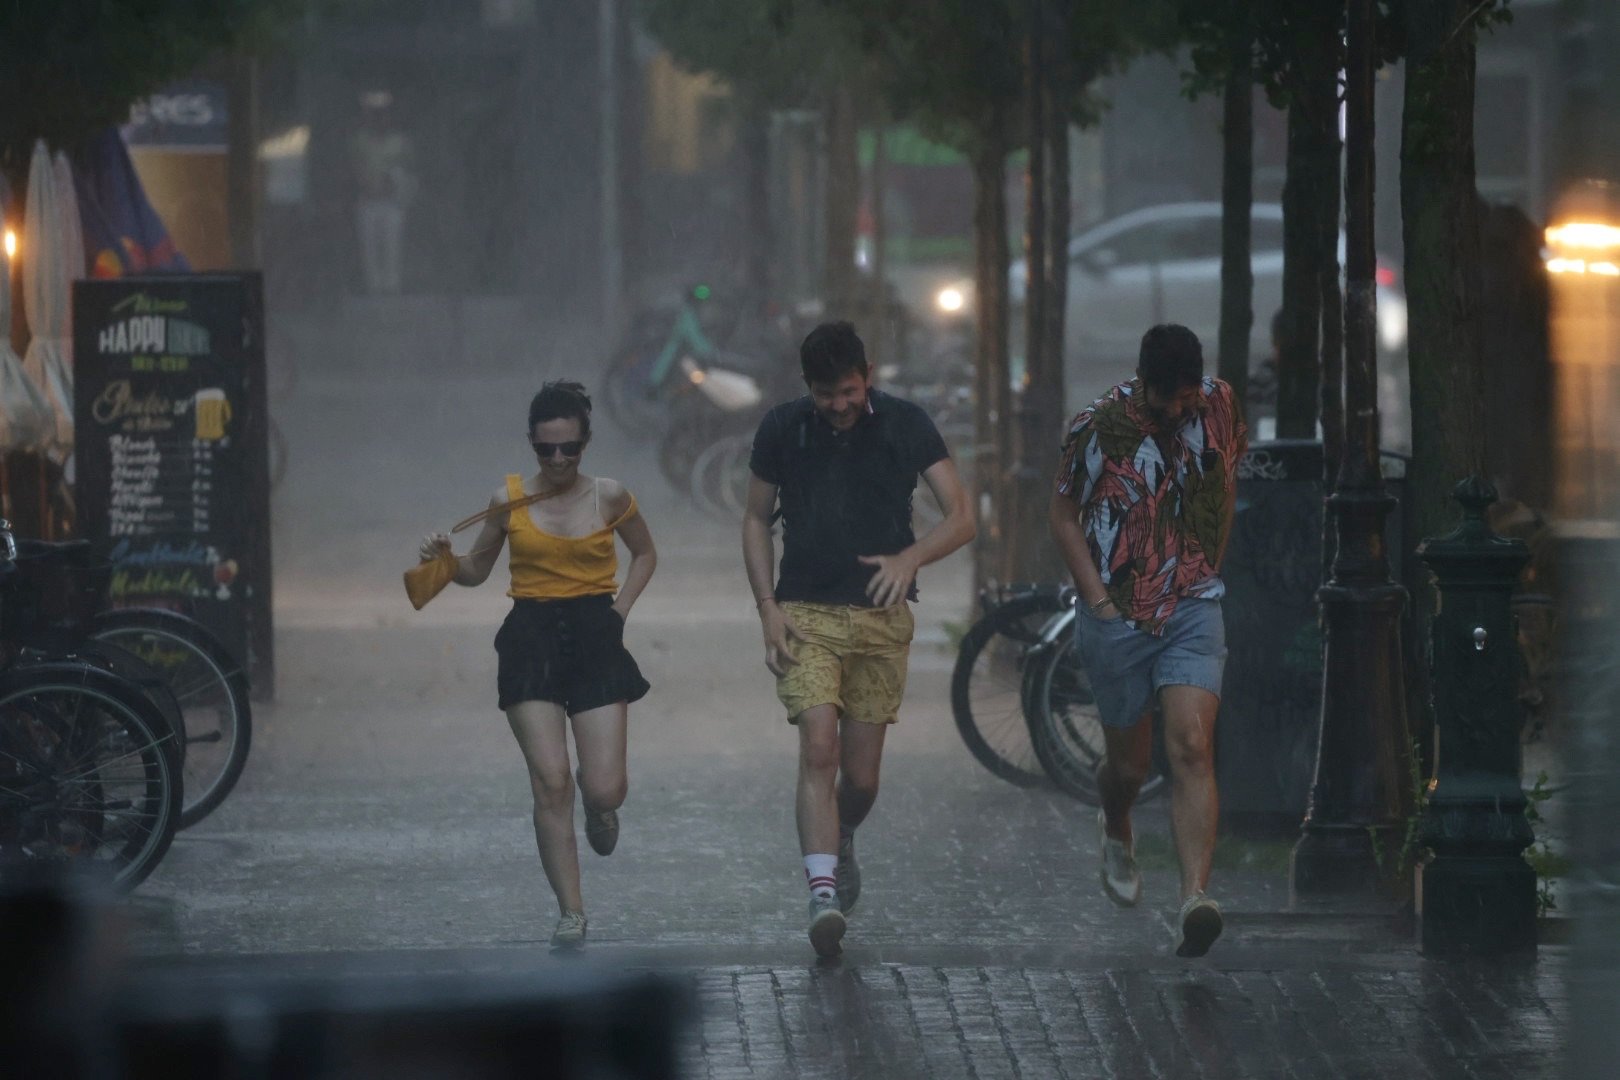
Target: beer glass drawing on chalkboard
<point x="213" y="414"/>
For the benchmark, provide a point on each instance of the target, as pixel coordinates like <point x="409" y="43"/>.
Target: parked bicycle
<point x="988" y="680"/>
<point x="90" y="761"/>
<point x="1060" y="710"/>
<point x="56" y="606"/>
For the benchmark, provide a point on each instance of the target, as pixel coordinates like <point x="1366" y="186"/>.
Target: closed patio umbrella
<point x="54" y="259"/>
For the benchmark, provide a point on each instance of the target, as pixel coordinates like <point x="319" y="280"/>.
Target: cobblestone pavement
<point x="901" y="1020"/>
<point x="383" y="825"/>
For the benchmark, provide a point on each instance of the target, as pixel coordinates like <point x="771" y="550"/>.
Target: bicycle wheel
<point x="89" y="772"/>
<point x="986" y="685"/>
<point x="715" y="477"/>
<point x="1065" y="727"/>
<point x="210" y="687"/>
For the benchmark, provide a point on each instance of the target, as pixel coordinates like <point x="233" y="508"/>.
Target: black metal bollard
<point x="1477" y="893"/>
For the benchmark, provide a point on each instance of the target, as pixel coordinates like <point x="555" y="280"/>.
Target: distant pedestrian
<point x="1142" y="513"/>
<point x="562" y="654"/>
<point x="844" y="461"/>
<point x="385" y="187"/>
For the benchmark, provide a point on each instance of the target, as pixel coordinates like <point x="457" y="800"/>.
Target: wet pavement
<point x="382" y="829"/>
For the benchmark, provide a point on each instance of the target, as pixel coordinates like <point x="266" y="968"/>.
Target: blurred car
<point x="1163" y="264"/>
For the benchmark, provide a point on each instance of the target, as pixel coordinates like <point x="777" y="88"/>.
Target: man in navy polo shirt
<point x="844" y="462"/>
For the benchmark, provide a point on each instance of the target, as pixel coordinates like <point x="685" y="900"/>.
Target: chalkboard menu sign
<point x="171" y="454"/>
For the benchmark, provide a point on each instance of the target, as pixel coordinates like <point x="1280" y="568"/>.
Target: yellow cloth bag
<point x="426" y="580"/>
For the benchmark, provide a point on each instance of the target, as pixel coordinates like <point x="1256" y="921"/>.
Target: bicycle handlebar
<point x="993" y="596"/>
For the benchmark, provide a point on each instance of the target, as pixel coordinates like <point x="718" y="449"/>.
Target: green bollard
<point x="1476" y="894"/>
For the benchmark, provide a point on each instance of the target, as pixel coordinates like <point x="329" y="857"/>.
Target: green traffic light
<point x="701" y="292"/>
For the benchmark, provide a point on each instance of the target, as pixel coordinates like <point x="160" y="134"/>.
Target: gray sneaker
<point x="849" y="873"/>
<point x="1200" y="925"/>
<point x="826" y="926"/>
<point x="601" y="828"/>
<point x="1121" y="880"/>
<point x="570" y="932"/>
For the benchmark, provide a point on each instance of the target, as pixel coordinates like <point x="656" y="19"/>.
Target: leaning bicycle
<point x="1064" y="725"/>
<point x="987" y="681"/>
<point x="57" y="601"/>
<point x="90" y="765"/>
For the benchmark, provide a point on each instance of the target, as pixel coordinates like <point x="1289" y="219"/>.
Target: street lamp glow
<point x="950" y="300"/>
<point x="1581" y="266"/>
<point x="1584" y="234"/>
<point x="11" y="244"/>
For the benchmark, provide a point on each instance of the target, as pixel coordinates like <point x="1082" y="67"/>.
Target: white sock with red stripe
<point x="821" y="871"/>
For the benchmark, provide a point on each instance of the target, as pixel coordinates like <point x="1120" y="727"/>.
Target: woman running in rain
<point x="562" y="654"/>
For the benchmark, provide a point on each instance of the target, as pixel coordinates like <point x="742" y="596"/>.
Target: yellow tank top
<point x="547" y="567"/>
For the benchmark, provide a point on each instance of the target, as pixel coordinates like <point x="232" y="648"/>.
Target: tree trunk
<point x="1237" y="203"/>
<point x="1027" y="541"/>
<point x="1440" y="230"/>
<point x="754" y="144"/>
<point x="843" y="199"/>
<point x="991" y="415"/>
<point x="1313" y="150"/>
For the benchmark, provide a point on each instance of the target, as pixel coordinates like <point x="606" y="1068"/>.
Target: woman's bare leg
<point x="599" y="740"/>
<point x="541" y="732"/>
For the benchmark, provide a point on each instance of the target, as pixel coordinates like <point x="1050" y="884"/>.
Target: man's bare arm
<point x="759" y="557"/>
<point x="891" y="580"/>
<point x="1064" y="519"/>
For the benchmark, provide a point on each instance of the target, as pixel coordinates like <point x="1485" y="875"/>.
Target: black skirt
<point x="570" y="652"/>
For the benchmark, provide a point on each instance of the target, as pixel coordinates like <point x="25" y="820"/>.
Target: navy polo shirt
<point x="843" y="494"/>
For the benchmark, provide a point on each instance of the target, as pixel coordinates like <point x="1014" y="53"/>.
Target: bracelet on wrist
<point x="763" y="600"/>
<point x="1099" y="605"/>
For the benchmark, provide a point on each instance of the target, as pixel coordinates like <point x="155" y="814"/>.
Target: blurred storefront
<point x="179" y="140"/>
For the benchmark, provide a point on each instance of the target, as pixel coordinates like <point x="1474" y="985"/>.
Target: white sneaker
<point x="827" y="926"/>
<point x="1121" y="880"/>
<point x="1201" y="924"/>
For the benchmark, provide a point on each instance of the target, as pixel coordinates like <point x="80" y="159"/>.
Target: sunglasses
<point x="568" y="449"/>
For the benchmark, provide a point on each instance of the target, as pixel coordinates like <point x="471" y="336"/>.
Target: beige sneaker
<point x="1121" y="880"/>
<point x="570" y="932"/>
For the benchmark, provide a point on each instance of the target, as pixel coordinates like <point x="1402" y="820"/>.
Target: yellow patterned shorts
<point x="851" y="657"/>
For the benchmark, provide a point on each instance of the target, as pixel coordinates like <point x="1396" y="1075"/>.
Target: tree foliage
<point x="953" y="68"/>
<point x="777" y="53"/>
<point x="69" y="68"/>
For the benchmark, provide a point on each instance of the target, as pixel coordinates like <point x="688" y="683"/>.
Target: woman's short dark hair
<point x="562" y="400"/>
<point x="1171" y="359"/>
<point x="831" y="351"/>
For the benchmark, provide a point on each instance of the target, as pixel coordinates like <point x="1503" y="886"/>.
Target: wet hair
<point x="831" y="351"/>
<point x="1171" y="359"/>
<point x="562" y="400"/>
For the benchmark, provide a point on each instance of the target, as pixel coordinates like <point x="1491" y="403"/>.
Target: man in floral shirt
<point x="1142" y="511"/>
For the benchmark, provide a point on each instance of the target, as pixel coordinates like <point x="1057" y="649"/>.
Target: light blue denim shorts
<point x="1127" y="666"/>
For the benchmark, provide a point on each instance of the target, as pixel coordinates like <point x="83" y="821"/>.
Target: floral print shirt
<point x="1155" y="526"/>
